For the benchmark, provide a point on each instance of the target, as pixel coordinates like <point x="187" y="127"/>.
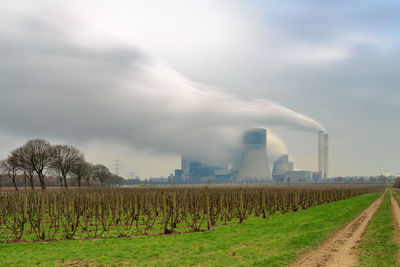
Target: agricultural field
<point x="169" y="226"/>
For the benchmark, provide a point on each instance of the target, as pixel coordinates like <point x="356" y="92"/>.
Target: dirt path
<point x="340" y="250"/>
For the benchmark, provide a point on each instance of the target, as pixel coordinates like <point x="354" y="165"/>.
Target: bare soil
<point x="341" y="248"/>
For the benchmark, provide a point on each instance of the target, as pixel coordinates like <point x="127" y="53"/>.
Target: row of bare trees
<point x="96" y="212"/>
<point x="37" y="158"/>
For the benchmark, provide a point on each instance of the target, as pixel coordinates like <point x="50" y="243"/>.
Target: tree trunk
<point x="14" y="183"/>
<point x="41" y="180"/>
<point x="60" y="179"/>
<point x="208" y="210"/>
<point x="31" y="182"/>
<point x="65" y="182"/>
<point x="88" y="182"/>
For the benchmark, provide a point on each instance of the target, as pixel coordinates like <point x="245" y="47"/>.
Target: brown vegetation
<point x="92" y="213"/>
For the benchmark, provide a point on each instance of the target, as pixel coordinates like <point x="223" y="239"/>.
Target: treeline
<point x="37" y="158"/>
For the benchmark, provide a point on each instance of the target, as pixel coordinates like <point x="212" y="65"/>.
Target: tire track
<point x="340" y="250"/>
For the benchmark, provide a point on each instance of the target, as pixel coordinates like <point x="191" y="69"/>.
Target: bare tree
<point x="101" y="173"/>
<point x="11" y="168"/>
<point x="37" y="156"/>
<point x="2" y="172"/>
<point x="29" y="174"/>
<point x="90" y="165"/>
<point x="23" y="164"/>
<point x="65" y="157"/>
<point x="59" y="176"/>
<point x="82" y="169"/>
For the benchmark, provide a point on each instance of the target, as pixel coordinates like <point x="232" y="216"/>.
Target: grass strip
<point x="379" y="247"/>
<point x="275" y="241"/>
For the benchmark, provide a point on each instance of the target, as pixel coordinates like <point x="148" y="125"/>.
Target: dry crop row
<point x="92" y="213"/>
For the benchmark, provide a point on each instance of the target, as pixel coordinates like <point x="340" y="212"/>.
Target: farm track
<point x="340" y="250"/>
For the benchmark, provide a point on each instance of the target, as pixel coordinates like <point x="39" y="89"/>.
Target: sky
<point x="144" y="81"/>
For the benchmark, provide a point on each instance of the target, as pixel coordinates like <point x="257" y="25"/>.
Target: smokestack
<point x="321" y="139"/>
<point x="325" y="156"/>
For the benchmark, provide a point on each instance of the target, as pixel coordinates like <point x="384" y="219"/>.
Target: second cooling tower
<point x="254" y="163"/>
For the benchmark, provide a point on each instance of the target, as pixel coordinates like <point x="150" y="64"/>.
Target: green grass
<point x="379" y="247"/>
<point x="275" y="241"/>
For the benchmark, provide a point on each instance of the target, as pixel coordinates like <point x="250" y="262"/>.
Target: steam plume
<point x="55" y="87"/>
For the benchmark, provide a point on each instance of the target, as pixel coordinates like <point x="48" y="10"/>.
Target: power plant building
<point x="252" y="166"/>
<point x="281" y="166"/>
<point x="298" y="177"/>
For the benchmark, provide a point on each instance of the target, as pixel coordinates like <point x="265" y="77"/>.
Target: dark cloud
<point x="53" y="86"/>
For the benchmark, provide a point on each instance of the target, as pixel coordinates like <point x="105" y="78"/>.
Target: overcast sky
<point x="144" y="81"/>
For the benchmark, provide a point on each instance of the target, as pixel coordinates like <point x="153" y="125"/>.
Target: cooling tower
<point x="282" y="165"/>
<point x="254" y="164"/>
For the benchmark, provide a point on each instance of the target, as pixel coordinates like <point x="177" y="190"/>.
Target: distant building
<point x="281" y="166"/>
<point x="178" y="175"/>
<point x="251" y="165"/>
<point x="298" y="177"/>
<point x="198" y="171"/>
<point x="317" y="177"/>
<point x="194" y="171"/>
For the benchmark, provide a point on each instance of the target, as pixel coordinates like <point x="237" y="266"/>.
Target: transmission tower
<point x="117" y="166"/>
<point x="132" y="175"/>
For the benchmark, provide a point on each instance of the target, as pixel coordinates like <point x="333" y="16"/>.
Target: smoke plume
<point x="54" y="86"/>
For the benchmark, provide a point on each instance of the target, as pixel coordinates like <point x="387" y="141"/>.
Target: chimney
<point x="325" y="156"/>
<point x="321" y="139"/>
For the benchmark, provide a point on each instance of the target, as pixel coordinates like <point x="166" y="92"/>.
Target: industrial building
<point x="281" y="166"/>
<point x="283" y="172"/>
<point x="298" y="177"/>
<point x="194" y="171"/>
<point x="252" y="165"/>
